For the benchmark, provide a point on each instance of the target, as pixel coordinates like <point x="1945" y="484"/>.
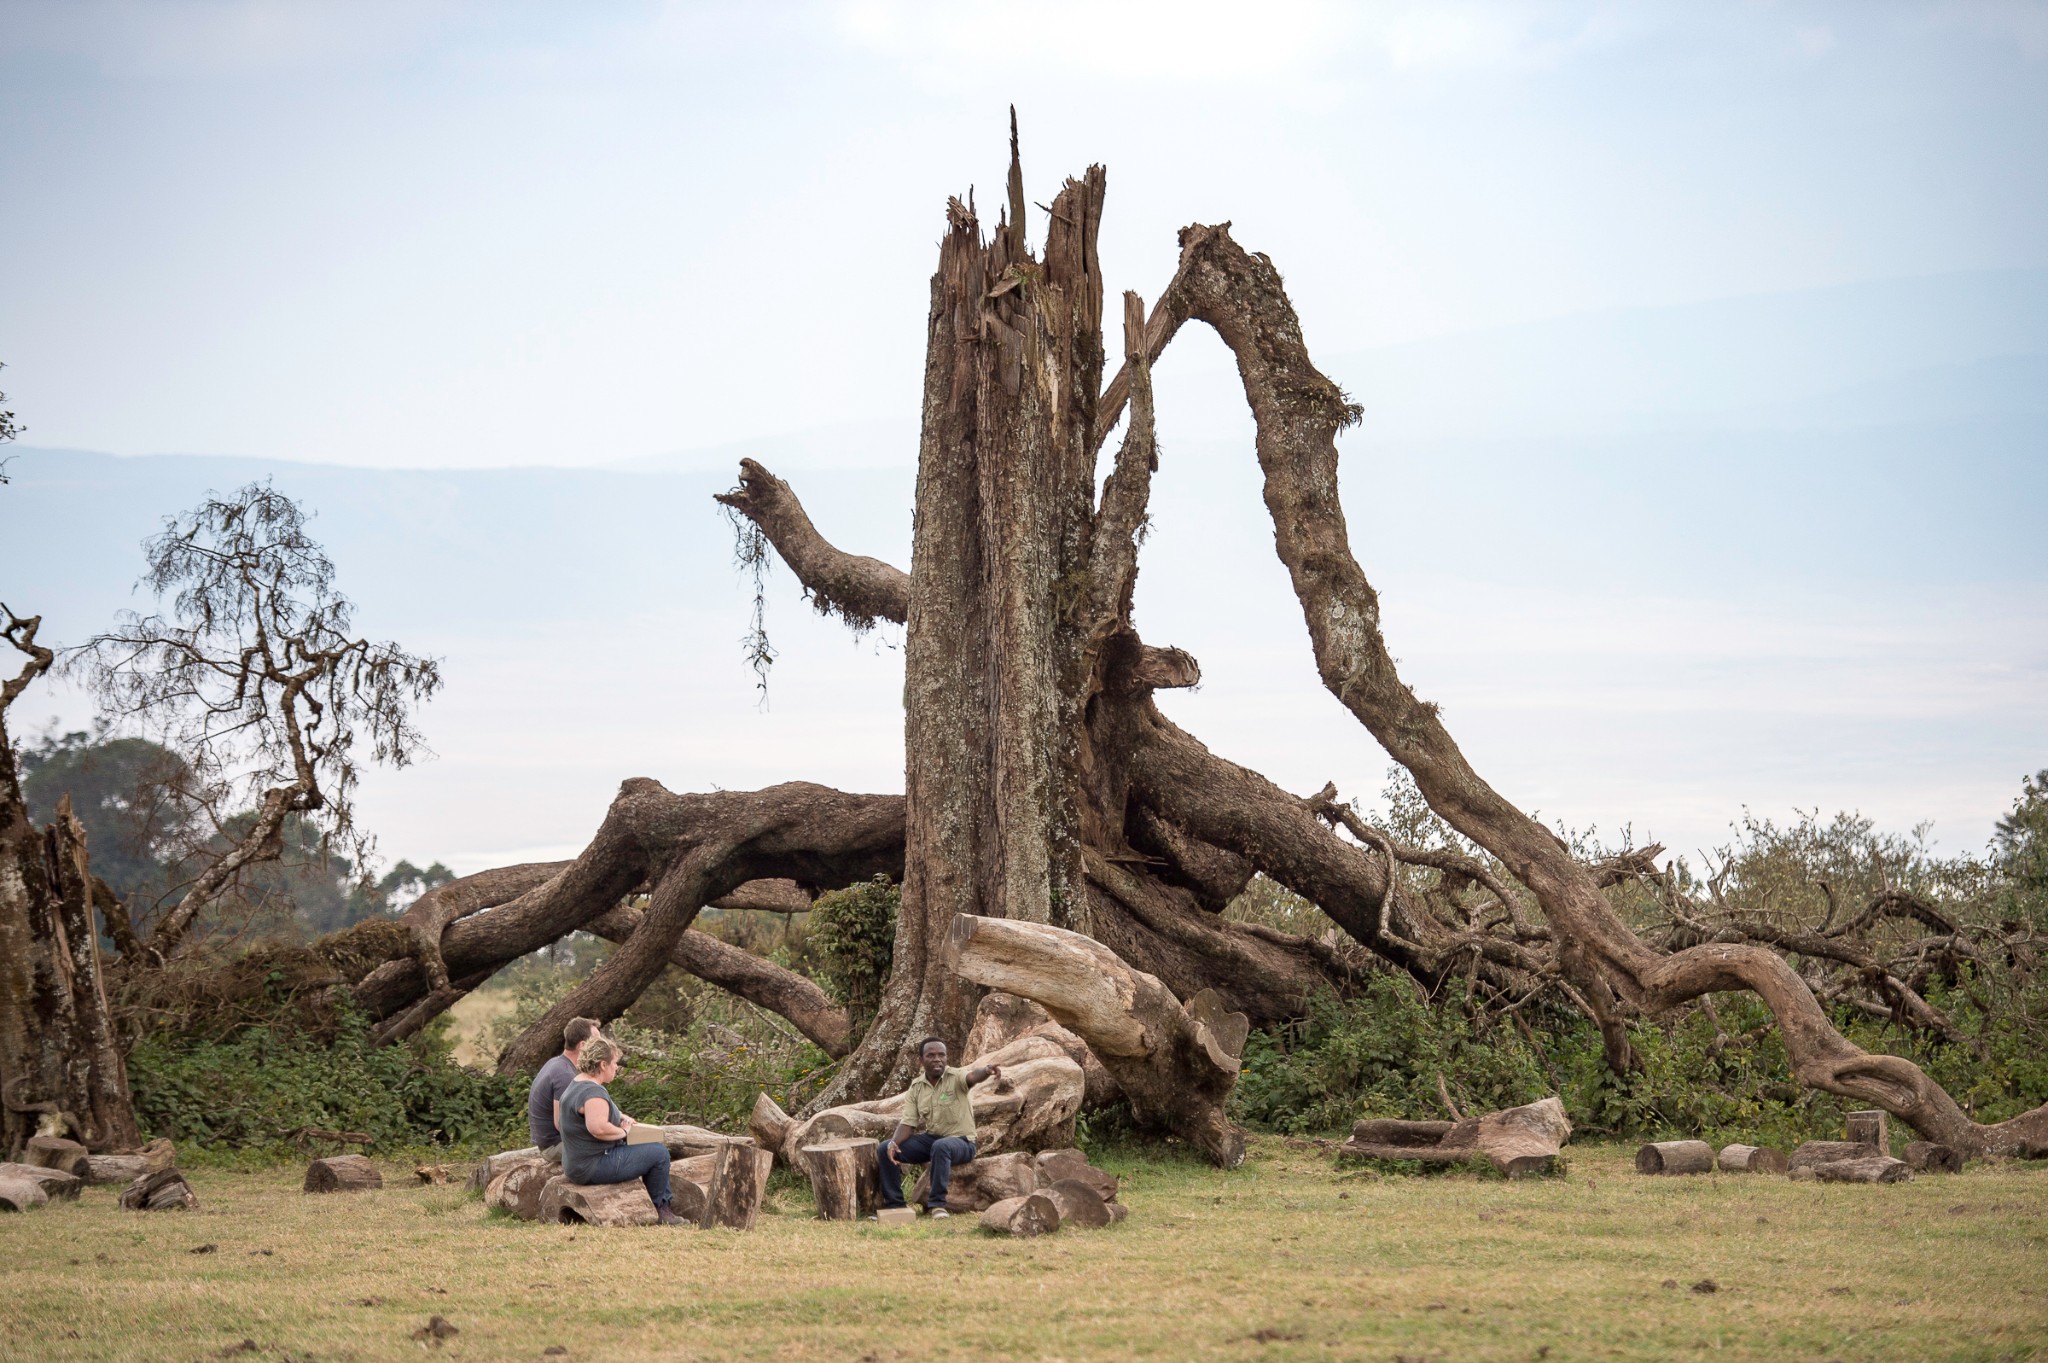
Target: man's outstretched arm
<point x="981" y="1072"/>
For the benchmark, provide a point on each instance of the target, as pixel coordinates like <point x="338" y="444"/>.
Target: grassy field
<point x="1286" y="1258"/>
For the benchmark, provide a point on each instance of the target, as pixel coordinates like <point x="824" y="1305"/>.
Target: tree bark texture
<point x="1675" y="1157"/>
<point x="1750" y="1159"/>
<point x="343" y="1174"/>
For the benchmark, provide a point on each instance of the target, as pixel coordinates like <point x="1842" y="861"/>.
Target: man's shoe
<point x="667" y="1217"/>
<point x="938" y="1213"/>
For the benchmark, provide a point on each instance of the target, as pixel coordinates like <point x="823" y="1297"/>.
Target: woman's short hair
<point x="596" y="1053"/>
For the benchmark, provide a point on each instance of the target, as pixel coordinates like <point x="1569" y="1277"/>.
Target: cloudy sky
<point x="602" y="236"/>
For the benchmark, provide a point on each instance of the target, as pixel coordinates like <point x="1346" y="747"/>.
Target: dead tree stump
<point x="983" y="1182"/>
<point x="343" y="1174"/>
<point x="1751" y="1159"/>
<point x="1870" y="1128"/>
<point x="1927" y="1157"/>
<point x="595" y="1204"/>
<point x="843" y="1176"/>
<point x="54" y="1152"/>
<point x="163" y="1191"/>
<point x="1517" y="1141"/>
<point x="1033" y="1215"/>
<point x="1675" y="1157"/>
<point x="1812" y="1153"/>
<point x="739" y="1179"/>
<point x="1054" y="1165"/>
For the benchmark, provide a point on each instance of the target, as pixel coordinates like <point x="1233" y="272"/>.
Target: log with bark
<point x="1870" y="1128"/>
<point x="1751" y="1159"/>
<point x="1001" y="1019"/>
<point x="516" y="1187"/>
<point x="54" y="1152"/>
<point x="1176" y="1064"/>
<point x="1056" y="1165"/>
<point x="1810" y="1153"/>
<point x="165" y="1190"/>
<point x="1862" y="1168"/>
<point x="738" y="1183"/>
<point x="1675" y="1157"/>
<point x="21" y="1194"/>
<point x="1516" y="1141"/>
<point x="983" y="1181"/>
<point x="1926" y="1157"/>
<point x="1079" y="1203"/>
<point x="595" y="1204"/>
<point x="121" y="1169"/>
<point x="343" y="1174"/>
<point x="845" y="1181"/>
<point x="481" y="1174"/>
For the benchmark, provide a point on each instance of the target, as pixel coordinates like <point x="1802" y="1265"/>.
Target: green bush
<point x="252" y="1090"/>
<point x="853" y="938"/>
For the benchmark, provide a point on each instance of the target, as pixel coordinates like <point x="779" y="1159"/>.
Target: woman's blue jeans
<point x="618" y="1163"/>
<point x="943" y="1152"/>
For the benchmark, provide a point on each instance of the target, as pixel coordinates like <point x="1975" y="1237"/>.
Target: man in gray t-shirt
<point x="556" y="1075"/>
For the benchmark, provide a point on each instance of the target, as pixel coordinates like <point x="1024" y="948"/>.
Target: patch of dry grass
<point x="1285" y="1259"/>
<point x="473" y="1016"/>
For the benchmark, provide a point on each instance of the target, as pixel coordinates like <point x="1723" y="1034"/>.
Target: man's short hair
<point x="577" y="1032"/>
<point x="928" y="1041"/>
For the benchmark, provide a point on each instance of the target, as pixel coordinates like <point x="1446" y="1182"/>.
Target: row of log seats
<point x="1863" y="1158"/>
<point x="722" y="1185"/>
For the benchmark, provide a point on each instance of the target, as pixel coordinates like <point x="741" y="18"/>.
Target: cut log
<point x="1822" y="1152"/>
<point x="1751" y="1159"/>
<point x="161" y="1154"/>
<point x="21" y="1194"/>
<point x="1054" y="1165"/>
<point x="1863" y="1168"/>
<point x="343" y="1174"/>
<point x="1033" y="1215"/>
<point x="1525" y="1140"/>
<point x="1079" y="1204"/>
<point x="123" y="1169"/>
<point x="1177" y="1065"/>
<point x="595" y="1204"/>
<point x="684" y="1141"/>
<point x="1675" y="1157"/>
<point x="769" y="1125"/>
<point x="163" y="1191"/>
<point x="739" y="1179"/>
<point x="518" y="1186"/>
<point x="1870" y="1128"/>
<point x="1927" y="1157"/>
<point x="54" y="1152"/>
<point x="843" y="1176"/>
<point x="55" y="1183"/>
<point x="986" y="1180"/>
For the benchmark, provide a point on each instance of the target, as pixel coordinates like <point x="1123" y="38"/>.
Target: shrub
<point x="853" y="938"/>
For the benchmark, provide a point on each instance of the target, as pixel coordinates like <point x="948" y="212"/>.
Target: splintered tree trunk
<point x="60" y="1061"/>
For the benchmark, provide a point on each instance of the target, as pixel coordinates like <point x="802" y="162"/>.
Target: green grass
<point x="1287" y="1258"/>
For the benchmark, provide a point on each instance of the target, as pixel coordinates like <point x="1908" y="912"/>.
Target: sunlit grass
<point x="1286" y="1258"/>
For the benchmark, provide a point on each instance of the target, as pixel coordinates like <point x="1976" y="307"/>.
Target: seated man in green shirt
<point x="937" y="1126"/>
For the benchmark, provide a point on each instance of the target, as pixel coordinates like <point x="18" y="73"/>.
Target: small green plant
<point x="853" y="937"/>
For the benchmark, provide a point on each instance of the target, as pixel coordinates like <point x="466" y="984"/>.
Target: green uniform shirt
<point x="940" y="1109"/>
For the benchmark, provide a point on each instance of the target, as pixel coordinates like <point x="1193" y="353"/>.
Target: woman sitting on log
<point x="594" y="1147"/>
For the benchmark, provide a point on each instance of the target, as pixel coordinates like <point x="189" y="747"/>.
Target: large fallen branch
<point x="1177" y="1065"/>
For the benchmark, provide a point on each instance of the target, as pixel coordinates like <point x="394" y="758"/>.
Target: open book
<point x="641" y="1133"/>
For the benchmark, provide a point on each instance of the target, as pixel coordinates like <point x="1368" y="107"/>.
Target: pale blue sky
<point x="1704" y="349"/>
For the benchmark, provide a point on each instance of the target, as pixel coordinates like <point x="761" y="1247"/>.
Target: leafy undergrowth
<point x="1286" y="1258"/>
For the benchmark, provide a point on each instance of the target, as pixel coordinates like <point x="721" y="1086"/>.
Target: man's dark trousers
<point x="941" y="1152"/>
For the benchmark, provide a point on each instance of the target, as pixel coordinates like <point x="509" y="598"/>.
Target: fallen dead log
<point x="21" y="1194"/>
<point x="1176" y="1065"/>
<point x="1033" y="1215"/>
<point x="685" y="1141"/>
<point x="1001" y="1018"/>
<point x="518" y="1185"/>
<point x="1750" y="1159"/>
<point x="122" y="1169"/>
<point x="1675" y="1157"/>
<point x="1864" y="1168"/>
<point x="1079" y="1204"/>
<point x="844" y="1180"/>
<point x="1032" y="1107"/>
<point x="55" y="1183"/>
<point x="1811" y="1153"/>
<point x="1517" y="1141"/>
<point x="343" y="1174"/>
<point x="163" y="1191"/>
<point x="1929" y="1157"/>
<point x="595" y="1204"/>
<point x="481" y="1175"/>
<point x="55" y="1152"/>
<point x="738" y="1182"/>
